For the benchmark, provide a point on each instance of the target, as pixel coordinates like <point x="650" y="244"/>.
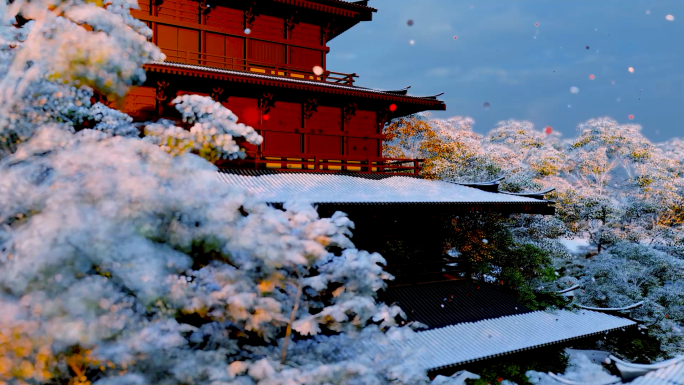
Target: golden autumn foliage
<point x="449" y="148"/>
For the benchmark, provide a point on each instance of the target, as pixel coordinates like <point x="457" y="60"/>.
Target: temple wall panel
<point x="179" y="10"/>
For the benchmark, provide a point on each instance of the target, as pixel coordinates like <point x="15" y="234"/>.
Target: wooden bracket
<point x="289" y="26"/>
<point x="161" y="95"/>
<point x="327" y="32"/>
<point x="383" y="119"/>
<point x="217" y="94"/>
<point x="249" y="17"/>
<point x="265" y="102"/>
<point x="348" y="112"/>
<point x="204" y="8"/>
<point x="99" y="98"/>
<point x="308" y="108"/>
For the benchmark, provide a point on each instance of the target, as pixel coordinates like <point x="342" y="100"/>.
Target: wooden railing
<point x="304" y="162"/>
<point x="238" y="64"/>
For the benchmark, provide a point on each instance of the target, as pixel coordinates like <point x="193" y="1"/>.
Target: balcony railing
<point x="304" y="162"/>
<point x="238" y="64"/>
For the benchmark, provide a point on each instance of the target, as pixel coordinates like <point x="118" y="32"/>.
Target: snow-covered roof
<point x="630" y="371"/>
<point x="670" y="375"/>
<point x="469" y="342"/>
<point x="288" y="79"/>
<point x="358" y="188"/>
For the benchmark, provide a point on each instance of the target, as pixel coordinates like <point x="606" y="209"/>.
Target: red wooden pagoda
<point x="265" y="60"/>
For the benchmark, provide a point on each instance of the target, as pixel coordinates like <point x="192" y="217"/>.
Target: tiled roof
<point x="671" y="375"/>
<point x="452" y="302"/>
<point x="256" y="75"/>
<point x="468" y="342"/>
<point x="356" y="188"/>
<point x="359" y="4"/>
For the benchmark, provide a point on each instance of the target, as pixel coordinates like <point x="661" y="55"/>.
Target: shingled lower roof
<point x="468" y="342"/>
<point x="357" y="188"/>
<point x="671" y="375"/>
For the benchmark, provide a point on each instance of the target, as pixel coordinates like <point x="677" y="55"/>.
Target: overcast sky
<point x="525" y="71"/>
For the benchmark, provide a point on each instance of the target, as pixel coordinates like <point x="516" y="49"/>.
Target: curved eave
<point x="334" y="7"/>
<point x="293" y="84"/>
<point x="541" y="208"/>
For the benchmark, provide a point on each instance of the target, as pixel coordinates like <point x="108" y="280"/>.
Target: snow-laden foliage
<point x="50" y="65"/>
<point x="125" y="260"/>
<point x="211" y="135"/>
<point x="630" y="273"/>
<point x="118" y="258"/>
<point x="580" y="370"/>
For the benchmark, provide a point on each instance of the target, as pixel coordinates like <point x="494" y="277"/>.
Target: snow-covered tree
<point x="125" y="260"/>
<point x="629" y="273"/>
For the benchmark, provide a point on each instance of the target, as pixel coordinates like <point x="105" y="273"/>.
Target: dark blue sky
<point x="497" y="59"/>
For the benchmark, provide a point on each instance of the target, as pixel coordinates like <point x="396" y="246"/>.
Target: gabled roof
<point x="468" y="342"/>
<point x="426" y="103"/>
<point x="362" y="189"/>
<point x="452" y="302"/>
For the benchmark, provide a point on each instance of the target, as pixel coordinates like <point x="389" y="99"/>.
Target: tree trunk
<point x="288" y="331"/>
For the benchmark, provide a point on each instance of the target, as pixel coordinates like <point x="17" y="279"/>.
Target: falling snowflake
<point x="669" y="18"/>
<point x="630" y="69"/>
<point x="536" y="24"/>
<point x="412" y="42"/>
<point x="548" y="130"/>
<point x="648" y="12"/>
<point x="591" y="77"/>
<point x="587" y="47"/>
<point x="455" y="37"/>
<point x="485" y="241"/>
<point x="266" y="117"/>
<point x="409" y="22"/>
<point x="247" y="31"/>
<point x="486" y="105"/>
<point x="631" y="117"/>
<point x="318" y="70"/>
<point x="393" y="107"/>
<point x="574" y="90"/>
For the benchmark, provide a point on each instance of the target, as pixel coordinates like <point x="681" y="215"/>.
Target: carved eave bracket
<point x="289" y="26"/>
<point x="265" y="103"/>
<point x="249" y="16"/>
<point x="308" y="108"/>
<point x="383" y="117"/>
<point x="328" y="31"/>
<point x="217" y="94"/>
<point x="162" y="96"/>
<point x="348" y="112"/>
<point x="204" y="7"/>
